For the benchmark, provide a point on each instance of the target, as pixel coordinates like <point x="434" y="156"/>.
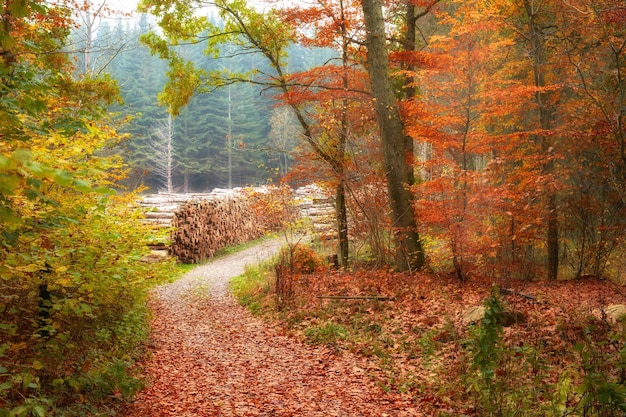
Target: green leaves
<point x="69" y="248"/>
<point x="158" y="46"/>
<point x="93" y="284"/>
<point x="179" y="20"/>
<point x="184" y="80"/>
<point x="252" y="32"/>
<point x="486" y="342"/>
<point x="19" y="8"/>
<point x="21" y="175"/>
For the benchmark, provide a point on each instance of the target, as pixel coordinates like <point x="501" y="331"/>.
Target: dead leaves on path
<point x="212" y="358"/>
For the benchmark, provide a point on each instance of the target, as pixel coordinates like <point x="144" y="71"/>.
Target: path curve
<point x="211" y="357"/>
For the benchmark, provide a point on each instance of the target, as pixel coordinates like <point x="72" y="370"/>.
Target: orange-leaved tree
<point x="595" y="51"/>
<point x="524" y="154"/>
<point x="334" y="91"/>
<point x="446" y="117"/>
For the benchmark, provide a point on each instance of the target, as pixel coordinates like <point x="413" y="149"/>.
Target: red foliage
<point x="616" y="15"/>
<point x="490" y="165"/>
<point x="424" y="60"/>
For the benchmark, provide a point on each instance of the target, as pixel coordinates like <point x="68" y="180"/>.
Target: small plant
<point x="486" y="346"/>
<point x="503" y="380"/>
<point x="485" y="349"/>
<point x="428" y="345"/>
<point x="293" y="260"/>
<point x="250" y="288"/>
<point x="327" y="333"/>
<point x="602" y="390"/>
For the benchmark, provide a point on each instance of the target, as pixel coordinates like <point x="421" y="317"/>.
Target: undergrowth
<point x="74" y="318"/>
<point x="558" y="360"/>
<point x="253" y="288"/>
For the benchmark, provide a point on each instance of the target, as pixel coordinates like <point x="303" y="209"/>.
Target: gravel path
<point x="210" y="357"/>
<point x="214" y="276"/>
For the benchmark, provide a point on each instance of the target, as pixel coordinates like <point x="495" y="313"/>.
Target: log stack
<point x="318" y="207"/>
<point x="159" y="209"/>
<point x="202" y="224"/>
<point x="202" y="227"/>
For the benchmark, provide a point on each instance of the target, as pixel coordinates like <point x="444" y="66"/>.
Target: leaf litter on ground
<point x="211" y="357"/>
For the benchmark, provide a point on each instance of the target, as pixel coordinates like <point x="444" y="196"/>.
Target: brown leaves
<point x="212" y="358"/>
<point x="415" y="343"/>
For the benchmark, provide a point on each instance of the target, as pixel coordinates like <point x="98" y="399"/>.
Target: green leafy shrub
<point x="600" y="389"/>
<point x="506" y="380"/>
<point x="72" y="284"/>
<point x="74" y="307"/>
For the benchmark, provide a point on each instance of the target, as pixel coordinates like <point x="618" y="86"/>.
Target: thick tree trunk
<point x="397" y="147"/>
<point x="341" y="207"/>
<point x="410" y="41"/>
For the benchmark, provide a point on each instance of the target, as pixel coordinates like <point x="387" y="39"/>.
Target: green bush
<point x="503" y="380"/>
<point x="74" y="306"/>
<point x="602" y="389"/>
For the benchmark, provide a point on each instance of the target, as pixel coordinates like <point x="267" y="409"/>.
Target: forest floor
<point x="556" y="350"/>
<point x="409" y="354"/>
<point x="210" y="357"/>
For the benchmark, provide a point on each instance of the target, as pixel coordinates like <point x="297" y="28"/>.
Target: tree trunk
<point x="342" y="223"/>
<point x="186" y="181"/>
<point x="537" y="41"/>
<point x="170" y="155"/>
<point x="341" y="210"/>
<point x="397" y="147"/>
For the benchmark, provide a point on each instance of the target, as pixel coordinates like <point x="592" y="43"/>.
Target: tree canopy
<point x="488" y="98"/>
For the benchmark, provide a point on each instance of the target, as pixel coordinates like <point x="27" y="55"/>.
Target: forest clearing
<point x="464" y="245"/>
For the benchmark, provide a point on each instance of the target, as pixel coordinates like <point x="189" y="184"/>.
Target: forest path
<point x="211" y="357"/>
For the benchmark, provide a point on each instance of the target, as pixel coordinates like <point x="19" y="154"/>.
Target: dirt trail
<point x="211" y="357"/>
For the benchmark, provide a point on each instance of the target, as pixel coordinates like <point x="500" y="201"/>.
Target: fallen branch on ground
<point x="356" y="297"/>
<point x="507" y="291"/>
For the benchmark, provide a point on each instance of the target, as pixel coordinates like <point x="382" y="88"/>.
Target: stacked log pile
<point x="159" y="209"/>
<point x="315" y="205"/>
<point x="202" y="224"/>
<point x="202" y="227"/>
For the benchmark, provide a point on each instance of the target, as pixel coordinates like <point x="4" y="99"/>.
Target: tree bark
<point x="537" y="41"/>
<point x="342" y="223"/>
<point x="340" y="195"/>
<point x="397" y="147"/>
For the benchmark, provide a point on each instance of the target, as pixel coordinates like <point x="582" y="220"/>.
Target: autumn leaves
<point x="508" y="117"/>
